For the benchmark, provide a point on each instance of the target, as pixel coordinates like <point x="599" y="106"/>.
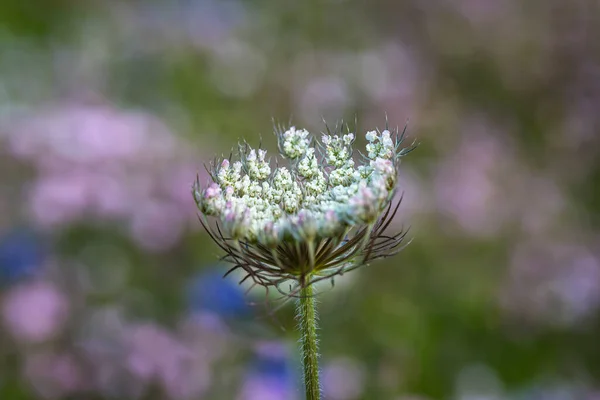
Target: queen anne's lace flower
<point x="294" y="143"/>
<point x="312" y="219"/>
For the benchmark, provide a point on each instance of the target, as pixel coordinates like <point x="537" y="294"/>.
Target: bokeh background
<point x="109" y="289"/>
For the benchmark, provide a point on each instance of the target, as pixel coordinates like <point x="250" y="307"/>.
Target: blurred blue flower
<point x="273" y="367"/>
<point x="271" y="376"/>
<point x="209" y="292"/>
<point x="21" y="255"/>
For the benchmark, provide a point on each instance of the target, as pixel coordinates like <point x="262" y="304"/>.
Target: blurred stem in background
<point x="307" y="324"/>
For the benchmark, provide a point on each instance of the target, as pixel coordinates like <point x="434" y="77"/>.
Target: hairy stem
<point x="307" y="323"/>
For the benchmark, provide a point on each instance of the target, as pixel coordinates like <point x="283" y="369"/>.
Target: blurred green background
<point x="109" y="289"/>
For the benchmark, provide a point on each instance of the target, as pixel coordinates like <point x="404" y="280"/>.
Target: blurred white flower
<point x="391" y="72"/>
<point x="236" y="68"/>
<point x="479" y="382"/>
<point x="327" y="96"/>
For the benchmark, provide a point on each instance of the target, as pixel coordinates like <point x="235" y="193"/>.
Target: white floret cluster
<point x="314" y="197"/>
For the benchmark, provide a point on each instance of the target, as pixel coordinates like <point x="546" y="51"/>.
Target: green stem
<point x="307" y="323"/>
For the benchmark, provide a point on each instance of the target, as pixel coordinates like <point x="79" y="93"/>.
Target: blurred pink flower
<point x="34" y="312"/>
<point x="129" y="357"/>
<point x="55" y="199"/>
<point x="485" y="188"/>
<point x="101" y="163"/>
<point x="157" y="226"/>
<point x="483" y="14"/>
<point x="89" y="135"/>
<point x="207" y="335"/>
<point x="155" y="354"/>
<point x="53" y="376"/>
<point x="343" y="379"/>
<point x="552" y="283"/>
<point x="467" y="187"/>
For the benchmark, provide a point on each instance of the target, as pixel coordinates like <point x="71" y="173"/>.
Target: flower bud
<point x="307" y="224"/>
<point x="270" y="235"/>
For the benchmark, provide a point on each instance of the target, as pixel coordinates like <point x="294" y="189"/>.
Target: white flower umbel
<point x="321" y="215"/>
<point x="313" y="219"/>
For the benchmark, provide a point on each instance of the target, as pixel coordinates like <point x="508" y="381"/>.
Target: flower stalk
<point x="307" y="325"/>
